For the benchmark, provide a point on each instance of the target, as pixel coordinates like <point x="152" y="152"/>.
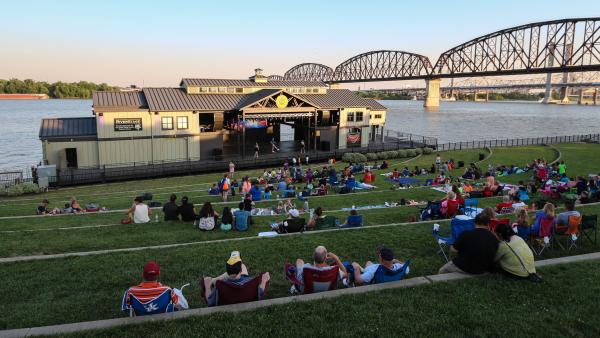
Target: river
<point x="454" y="121"/>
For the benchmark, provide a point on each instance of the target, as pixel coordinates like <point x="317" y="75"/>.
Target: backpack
<point x="206" y="223"/>
<point x="224" y="185"/>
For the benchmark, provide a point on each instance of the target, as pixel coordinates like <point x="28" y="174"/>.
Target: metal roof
<point x="249" y="83"/>
<point x="121" y="100"/>
<point x="176" y="99"/>
<point x="73" y="127"/>
<point x="257" y="96"/>
<point x="340" y="98"/>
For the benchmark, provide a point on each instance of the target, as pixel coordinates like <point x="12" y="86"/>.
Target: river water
<point x="454" y="121"/>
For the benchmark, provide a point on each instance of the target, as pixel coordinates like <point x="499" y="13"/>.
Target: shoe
<point x="346" y="282"/>
<point x="293" y="290"/>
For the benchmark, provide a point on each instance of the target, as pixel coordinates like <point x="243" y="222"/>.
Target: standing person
<point x="231" y="169"/>
<point x="224" y="185"/>
<point x="274" y="147"/>
<point x="438" y="161"/>
<point x="302" y="147"/>
<point x="171" y="209"/>
<point x="139" y="212"/>
<point x="256" y="150"/>
<point x="562" y="168"/>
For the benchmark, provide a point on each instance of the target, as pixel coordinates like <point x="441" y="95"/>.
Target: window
<point x="377" y="116"/>
<point x="182" y="122"/>
<point x="350" y="116"/>
<point x="212" y="89"/>
<point x="166" y="123"/>
<point x="230" y="90"/>
<point x="239" y="90"/>
<point x="315" y="90"/>
<point x="203" y="89"/>
<point x="359" y="116"/>
<point x="222" y="89"/>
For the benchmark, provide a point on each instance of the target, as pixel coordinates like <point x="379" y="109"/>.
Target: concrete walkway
<point x="411" y="282"/>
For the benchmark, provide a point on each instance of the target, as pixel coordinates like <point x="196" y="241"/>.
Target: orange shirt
<point x="146" y="291"/>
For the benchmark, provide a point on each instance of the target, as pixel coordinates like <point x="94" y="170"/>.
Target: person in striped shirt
<point x="151" y="288"/>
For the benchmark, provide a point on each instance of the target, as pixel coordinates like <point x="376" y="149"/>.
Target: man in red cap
<point x="150" y="288"/>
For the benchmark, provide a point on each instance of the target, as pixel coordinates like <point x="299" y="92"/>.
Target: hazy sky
<point x="156" y="43"/>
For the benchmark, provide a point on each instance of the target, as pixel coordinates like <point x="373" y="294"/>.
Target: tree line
<point x="57" y="90"/>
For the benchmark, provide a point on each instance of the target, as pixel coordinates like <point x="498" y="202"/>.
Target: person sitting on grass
<point x="171" y="209"/>
<point x="517" y="203"/>
<point x="226" y="219"/>
<point x="43" y="209"/>
<point x="514" y="257"/>
<point x="386" y="258"/>
<point x="562" y="219"/>
<point x="207" y="218"/>
<point x="241" y="218"/>
<point x="75" y="205"/>
<point x="395" y="174"/>
<point x="256" y="193"/>
<point x="322" y="260"/>
<point x="139" y="211"/>
<point x="150" y="288"/>
<point x="236" y="273"/>
<point x="186" y="210"/>
<point x="214" y="190"/>
<point x="450" y="205"/>
<point x="291" y="214"/>
<point x="505" y="205"/>
<point x="312" y="223"/>
<point x="476" y="249"/>
<point x="354" y="220"/>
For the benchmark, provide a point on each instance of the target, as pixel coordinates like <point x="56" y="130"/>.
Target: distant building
<point x="209" y="118"/>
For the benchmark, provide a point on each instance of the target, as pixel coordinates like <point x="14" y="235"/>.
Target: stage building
<point x="211" y="119"/>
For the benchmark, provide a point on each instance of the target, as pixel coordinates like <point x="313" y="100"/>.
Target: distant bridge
<point x="558" y="46"/>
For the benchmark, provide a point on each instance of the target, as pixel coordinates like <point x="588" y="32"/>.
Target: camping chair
<point x="452" y="209"/>
<point x="507" y="210"/>
<point x="293" y="225"/>
<point x="494" y="223"/>
<point x="470" y="208"/>
<point x="160" y="304"/>
<point x="229" y="293"/>
<point x="544" y="236"/>
<point x="569" y="231"/>
<point x="589" y="225"/>
<point x="326" y="222"/>
<point x="457" y="226"/>
<point x="384" y="275"/>
<point x="523" y="195"/>
<point x="316" y="280"/>
<point x="431" y="211"/>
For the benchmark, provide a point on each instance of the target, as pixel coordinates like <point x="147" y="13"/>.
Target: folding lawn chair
<point x="293" y="225"/>
<point x="231" y="293"/>
<point x="494" y="223"/>
<point x="316" y="280"/>
<point x="326" y="222"/>
<point x="457" y="226"/>
<point x="544" y="236"/>
<point x="160" y="304"/>
<point x="570" y="232"/>
<point x="470" y="208"/>
<point x="384" y="275"/>
<point x="589" y="226"/>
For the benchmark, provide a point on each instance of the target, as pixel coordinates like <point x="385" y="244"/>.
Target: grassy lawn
<point x="491" y="306"/>
<point x="68" y="283"/>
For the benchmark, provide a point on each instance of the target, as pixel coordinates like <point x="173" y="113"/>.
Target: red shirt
<point x="146" y="291"/>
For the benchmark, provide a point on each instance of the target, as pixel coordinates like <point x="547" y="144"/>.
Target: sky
<point x="156" y="43"/>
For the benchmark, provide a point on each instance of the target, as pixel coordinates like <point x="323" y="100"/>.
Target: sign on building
<point x="128" y="124"/>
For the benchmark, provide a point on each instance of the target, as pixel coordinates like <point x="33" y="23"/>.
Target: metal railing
<point x="480" y="144"/>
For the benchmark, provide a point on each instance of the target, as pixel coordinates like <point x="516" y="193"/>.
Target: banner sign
<point x="256" y="124"/>
<point x="128" y="124"/>
<point x="353" y="138"/>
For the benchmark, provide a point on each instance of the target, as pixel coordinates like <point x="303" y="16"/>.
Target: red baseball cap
<point x="151" y="271"/>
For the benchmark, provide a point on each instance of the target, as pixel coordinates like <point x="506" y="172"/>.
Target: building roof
<point x="176" y="99"/>
<point x="73" y="127"/>
<point x="340" y="98"/>
<point x="257" y="96"/>
<point x="119" y="101"/>
<point x="249" y="83"/>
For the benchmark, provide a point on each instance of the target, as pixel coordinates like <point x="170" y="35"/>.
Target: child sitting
<point x="214" y="191"/>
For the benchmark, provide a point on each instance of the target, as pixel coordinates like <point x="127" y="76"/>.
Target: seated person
<point x="207" y="217"/>
<point x="226" y="219"/>
<point x="406" y="172"/>
<point x="476" y="249"/>
<point x="386" y="258"/>
<point x="171" y="209"/>
<point x="150" y="288"/>
<point x="384" y="165"/>
<point x="236" y="273"/>
<point x="517" y="203"/>
<point x="214" y="190"/>
<point x="354" y="220"/>
<point x="43" y="209"/>
<point x="139" y="211"/>
<point x="318" y="214"/>
<point x="514" y="255"/>
<point x="75" y="205"/>
<point x="369" y="177"/>
<point x="282" y="185"/>
<point x="449" y="205"/>
<point x="506" y="204"/>
<point x="186" y="210"/>
<point x="395" y="174"/>
<point x="256" y="193"/>
<point x="241" y="218"/>
<point x="322" y="260"/>
<point x="562" y="219"/>
<point x="68" y="209"/>
<point x="291" y="214"/>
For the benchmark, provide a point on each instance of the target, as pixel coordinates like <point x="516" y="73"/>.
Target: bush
<point x="392" y="154"/>
<point x="419" y="151"/>
<point x="347" y="157"/>
<point x="358" y="157"/>
<point x="402" y="153"/>
<point x="411" y="153"/>
<point x="427" y="151"/>
<point x="372" y="156"/>
<point x="381" y="155"/>
<point x="15" y="190"/>
<point x="31" y="188"/>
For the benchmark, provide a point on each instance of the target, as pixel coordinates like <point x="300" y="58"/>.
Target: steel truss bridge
<point x="558" y="46"/>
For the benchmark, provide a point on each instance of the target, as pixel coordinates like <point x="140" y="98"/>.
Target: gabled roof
<point x="249" y="83"/>
<point x="74" y="127"/>
<point x="176" y="99"/>
<point x="340" y="98"/>
<point x="119" y="101"/>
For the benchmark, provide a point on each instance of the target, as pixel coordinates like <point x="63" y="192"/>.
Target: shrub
<point x="381" y="155"/>
<point x="15" y="190"/>
<point x="427" y="151"/>
<point x="402" y="153"/>
<point x="30" y="188"/>
<point x="419" y="151"/>
<point x="347" y="157"/>
<point x="392" y="154"/>
<point x="411" y="153"/>
<point x="372" y="156"/>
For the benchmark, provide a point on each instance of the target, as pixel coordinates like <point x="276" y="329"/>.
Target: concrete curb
<point x="558" y="152"/>
<point x="411" y="159"/>
<point x="411" y="282"/>
<point x="490" y="153"/>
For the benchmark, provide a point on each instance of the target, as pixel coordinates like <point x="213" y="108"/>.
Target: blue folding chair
<point x="384" y="275"/>
<point x="470" y="208"/>
<point x="160" y="304"/>
<point x="457" y="226"/>
<point x="523" y="196"/>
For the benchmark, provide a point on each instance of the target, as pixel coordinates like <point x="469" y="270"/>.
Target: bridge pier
<point x="595" y="100"/>
<point x="580" y="97"/>
<point x="432" y="93"/>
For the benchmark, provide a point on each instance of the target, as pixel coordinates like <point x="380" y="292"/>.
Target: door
<point x="71" y="157"/>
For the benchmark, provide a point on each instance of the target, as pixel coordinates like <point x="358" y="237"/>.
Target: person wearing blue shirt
<point x="281" y="185"/>
<point x="386" y="258"/>
<point x="241" y="218"/>
<point x="256" y="193"/>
